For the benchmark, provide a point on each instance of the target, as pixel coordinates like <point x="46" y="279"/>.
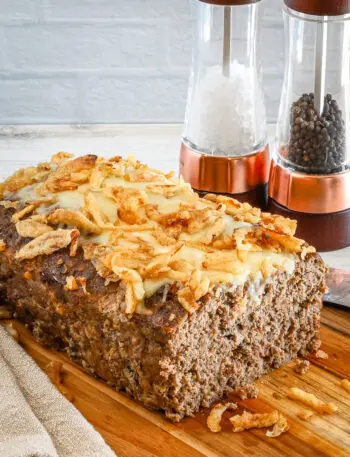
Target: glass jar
<point x="314" y="117"/>
<point x="225" y="115"/>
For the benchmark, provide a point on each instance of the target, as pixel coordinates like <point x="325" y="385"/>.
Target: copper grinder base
<point x="257" y="197"/>
<point x="242" y="177"/>
<point x="320" y="204"/>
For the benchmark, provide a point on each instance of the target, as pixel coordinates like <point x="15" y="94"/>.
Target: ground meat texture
<point x="248" y="391"/>
<point x="317" y="142"/>
<point x="168" y="360"/>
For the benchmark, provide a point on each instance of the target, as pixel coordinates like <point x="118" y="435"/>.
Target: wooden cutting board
<point x="133" y="431"/>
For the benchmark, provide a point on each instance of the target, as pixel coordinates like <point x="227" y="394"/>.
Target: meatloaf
<point x="177" y="300"/>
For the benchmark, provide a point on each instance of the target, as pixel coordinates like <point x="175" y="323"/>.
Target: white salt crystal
<point x="226" y="116"/>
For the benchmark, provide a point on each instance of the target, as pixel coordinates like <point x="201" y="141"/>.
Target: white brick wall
<point x="88" y="61"/>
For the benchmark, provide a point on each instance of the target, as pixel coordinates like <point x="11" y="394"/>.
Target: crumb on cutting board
<point x="319" y="354"/>
<point x="301" y="366"/>
<point x="215" y="416"/>
<point x="311" y="400"/>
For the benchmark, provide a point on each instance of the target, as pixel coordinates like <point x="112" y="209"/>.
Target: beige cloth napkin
<point x="35" y="419"/>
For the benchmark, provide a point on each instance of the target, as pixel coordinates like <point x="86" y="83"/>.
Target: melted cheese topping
<point x="135" y="205"/>
<point x="252" y="267"/>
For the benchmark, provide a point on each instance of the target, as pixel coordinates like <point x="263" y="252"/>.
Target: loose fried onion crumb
<point x="54" y="372"/>
<point x="16" y="217"/>
<point x="280" y="427"/>
<point x="2" y="245"/>
<point x="301" y="366"/>
<point x="214" y="418"/>
<point x="312" y="401"/>
<point x="46" y="244"/>
<point x="247" y="420"/>
<point x="305" y="414"/>
<point x="345" y="383"/>
<point x="29" y="228"/>
<point x="321" y="354"/>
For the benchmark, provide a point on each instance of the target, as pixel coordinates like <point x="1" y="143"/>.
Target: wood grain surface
<point x="132" y="430"/>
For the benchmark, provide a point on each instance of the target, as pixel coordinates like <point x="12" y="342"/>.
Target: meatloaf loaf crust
<point x="167" y="358"/>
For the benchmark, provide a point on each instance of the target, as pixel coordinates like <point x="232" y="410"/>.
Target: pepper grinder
<point x="224" y="147"/>
<point x="310" y="171"/>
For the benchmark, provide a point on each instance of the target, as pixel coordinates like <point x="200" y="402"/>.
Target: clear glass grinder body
<point x="225" y="114"/>
<point x="313" y="130"/>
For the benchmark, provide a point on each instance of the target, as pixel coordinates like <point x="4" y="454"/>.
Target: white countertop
<point x="156" y="145"/>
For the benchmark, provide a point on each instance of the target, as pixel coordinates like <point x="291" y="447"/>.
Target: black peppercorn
<point x="317" y="142"/>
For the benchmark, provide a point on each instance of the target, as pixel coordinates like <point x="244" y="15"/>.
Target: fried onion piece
<point x="74" y="243"/>
<point x="215" y="416"/>
<point x="159" y="265"/>
<point x="283" y="243"/>
<point x="68" y="175"/>
<point x="75" y="219"/>
<point x="30" y="228"/>
<point x="129" y="202"/>
<point x="94" y="209"/>
<point x="163" y="238"/>
<point x="25" y="177"/>
<point x="46" y="244"/>
<point x="9" y="204"/>
<point x="222" y="261"/>
<point x="240" y="211"/>
<point x="135" y="291"/>
<point x="247" y="420"/>
<point x="224" y="242"/>
<point x="23" y="212"/>
<point x="258" y="238"/>
<point x="306" y="249"/>
<point x="279" y="224"/>
<point x="194" y="290"/>
<point x="311" y="400"/>
<point x="145" y="176"/>
<point x="61" y="156"/>
<point x="280" y="427"/>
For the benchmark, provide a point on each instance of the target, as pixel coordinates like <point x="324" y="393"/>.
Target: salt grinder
<point x="310" y="171"/>
<point x="224" y="147"/>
